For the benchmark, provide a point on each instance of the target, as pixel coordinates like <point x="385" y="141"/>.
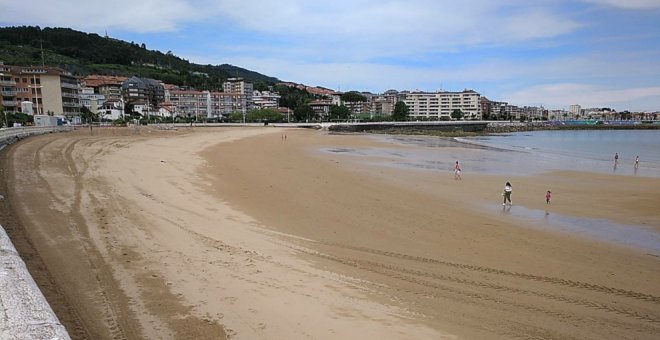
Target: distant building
<point x="321" y="108"/>
<point x="108" y="86"/>
<point x="143" y="93"/>
<point x="242" y="92"/>
<point x="265" y="100"/>
<point x="440" y="105"/>
<point x="576" y="110"/>
<point x="203" y="105"/>
<point x="92" y="101"/>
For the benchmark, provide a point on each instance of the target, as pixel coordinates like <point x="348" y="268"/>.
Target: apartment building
<point x="92" y="101"/>
<point x="49" y="89"/>
<point x="108" y="86"/>
<point x="188" y="103"/>
<point x="383" y="104"/>
<point x="265" y="100"/>
<point x="7" y="90"/>
<point x="203" y="104"/>
<point x="143" y="92"/>
<point x="242" y="92"/>
<point x="440" y="105"/>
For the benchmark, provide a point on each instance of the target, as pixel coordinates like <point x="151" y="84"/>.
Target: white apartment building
<point x="204" y="104"/>
<point x="575" y="110"/>
<point x="92" y="101"/>
<point x="436" y="105"/>
<point x="265" y="100"/>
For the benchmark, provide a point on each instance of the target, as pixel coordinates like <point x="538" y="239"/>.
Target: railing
<point x="69" y="104"/>
<point x="7" y="83"/>
<point x="6" y="103"/>
<point x="9" y="93"/>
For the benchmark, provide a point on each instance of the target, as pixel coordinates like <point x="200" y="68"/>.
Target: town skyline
<point x="595" y="53"/>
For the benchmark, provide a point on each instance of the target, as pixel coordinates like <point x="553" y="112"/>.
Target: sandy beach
<point x="214" y="233"/>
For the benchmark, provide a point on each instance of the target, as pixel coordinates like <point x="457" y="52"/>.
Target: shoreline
<point x="251" y="236"/>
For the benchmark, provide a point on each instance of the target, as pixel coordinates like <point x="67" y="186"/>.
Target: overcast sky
<point x="555" y="53"/>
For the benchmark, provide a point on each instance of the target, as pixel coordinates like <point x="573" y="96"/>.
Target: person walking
<point x="616" y="157"/>
<point x="636" y="162"/>
<point x="507" y="193"/>
<point x="548" y="197"/>
<point x="457" y="171"/>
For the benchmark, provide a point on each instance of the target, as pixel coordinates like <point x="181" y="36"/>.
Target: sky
<point x="551" y="53"/>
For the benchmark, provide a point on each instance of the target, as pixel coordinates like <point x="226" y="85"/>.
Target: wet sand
<point x="217" y="233"/>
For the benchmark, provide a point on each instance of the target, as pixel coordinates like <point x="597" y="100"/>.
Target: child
<point x="507" y="193"/>
<point x="548" y="197"/>
<point x="457" y="171"/>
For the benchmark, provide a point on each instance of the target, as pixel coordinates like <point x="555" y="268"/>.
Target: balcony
<point x="69" y="104"/>
<point x="70" y="95"/>
<point x="8" y="103"/>
<point x="8" y="93"/>
<point x="69" y="86"/>
<point x="7" y="83"/>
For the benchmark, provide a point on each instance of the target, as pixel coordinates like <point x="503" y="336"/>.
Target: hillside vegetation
<point x="88" y="53"/>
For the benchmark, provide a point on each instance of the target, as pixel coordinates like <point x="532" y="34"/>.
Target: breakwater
<point x="409" y="127"/>
<point x="504" y="127"/>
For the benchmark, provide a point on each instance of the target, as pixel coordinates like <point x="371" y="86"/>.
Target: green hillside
<point x="88" y="53"/>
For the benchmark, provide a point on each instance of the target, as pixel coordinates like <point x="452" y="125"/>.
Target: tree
<point x="353" y="96"/>
<point x="339" y="112"/>
<point x="87" y="115"/>
<point x="457" y="114"/>
<point x="304" y="113"/>
<point x="264" y="115"/>
<point x="236" y="117"/>
<point x="401" y="112"/>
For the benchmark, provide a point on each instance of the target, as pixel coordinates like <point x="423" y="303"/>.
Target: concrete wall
<point x="24" y="312"/>
<point x="11" y="135"/>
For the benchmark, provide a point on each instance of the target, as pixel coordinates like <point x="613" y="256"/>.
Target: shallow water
<point x="505" y="155"/>
<point x="636" y="236"/>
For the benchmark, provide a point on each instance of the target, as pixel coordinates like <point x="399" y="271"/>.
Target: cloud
<point x="628" y="4"/>
<point x="96" y="16"/>
<point x="363" y="28"/>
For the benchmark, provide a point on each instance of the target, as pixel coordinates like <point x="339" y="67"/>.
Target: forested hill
<point x="88" y="53"/>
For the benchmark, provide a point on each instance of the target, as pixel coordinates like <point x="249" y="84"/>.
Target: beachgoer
<point x="616" y="157"/>
<point x="548" y="197"/>
<point x="457" y="171"/>
<point x="636" y="161"/>
<point x="507" y="193"/>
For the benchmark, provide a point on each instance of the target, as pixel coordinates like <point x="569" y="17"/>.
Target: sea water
<point x="523" y="153"/>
